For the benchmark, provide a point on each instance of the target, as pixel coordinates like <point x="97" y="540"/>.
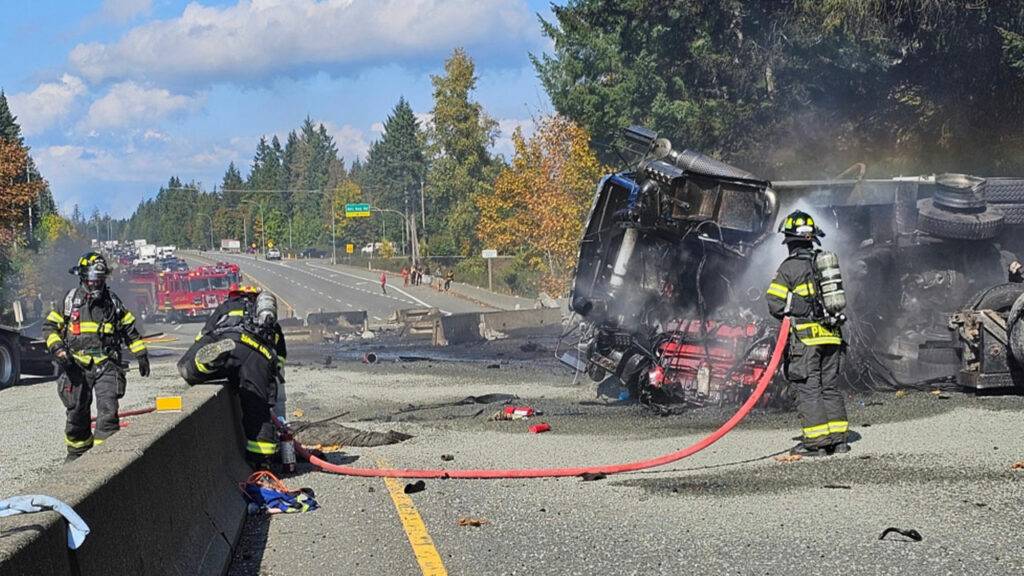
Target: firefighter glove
<point x="60" y="353"/>
<point x="143" y="361"/>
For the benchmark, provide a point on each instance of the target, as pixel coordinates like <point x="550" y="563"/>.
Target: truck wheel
<point x="10" y="361"/>
<point x="958" y="225"/>
<point x="1009" y="190"/>
<point x="1012" y="213"/>
<point x="1000" y="297"/>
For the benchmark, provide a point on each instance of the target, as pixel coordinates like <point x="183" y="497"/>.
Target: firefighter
<point x="242" y="343"/>
<point x="85" y="335"/>
<point x="814" y="349"/>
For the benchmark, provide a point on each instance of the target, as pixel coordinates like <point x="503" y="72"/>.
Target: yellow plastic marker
<point x="168" y="404"/>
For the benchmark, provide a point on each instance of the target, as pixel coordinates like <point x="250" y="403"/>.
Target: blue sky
<point x="116" y="96"/>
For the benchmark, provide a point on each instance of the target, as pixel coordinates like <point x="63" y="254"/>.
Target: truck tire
<point x="1008" y="190"/>
<point x="1000" y="297"/>
<point x="1013" y="214"/>
<point x="957" y="225"/>
<point x="10" y="360"/>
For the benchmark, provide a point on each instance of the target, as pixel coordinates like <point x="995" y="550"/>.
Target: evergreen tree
<point x="395" y="164"/>
<point x="9" y="128"/>
<point x="461" y="166"/>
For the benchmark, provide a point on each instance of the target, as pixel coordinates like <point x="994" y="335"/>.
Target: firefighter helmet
<point x="800" y="226"/>
<point x="244" y="290"/>
<point x="92" y="271"/>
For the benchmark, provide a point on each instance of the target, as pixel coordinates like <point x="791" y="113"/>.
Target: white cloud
<point x="50" y="102"/>
<point x="259" y="38"/>
<point x="128" y="103"/>
<point x="121" y="11"/>
<point x="507" y="127"/>
<point x="350" y="141"/>
<point x="152" y="135"/>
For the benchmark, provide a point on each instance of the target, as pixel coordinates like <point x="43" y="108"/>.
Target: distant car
<point x="273" y="254"/>
<point x="371" y="248"/>
<point x="313" y="253"/>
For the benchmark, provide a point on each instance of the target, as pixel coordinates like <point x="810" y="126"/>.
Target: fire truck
<point x="177" y="296"/>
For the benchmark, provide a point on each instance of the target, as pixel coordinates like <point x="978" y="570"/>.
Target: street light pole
<point x="210" y="218"/>
<point x="334" y="231"/>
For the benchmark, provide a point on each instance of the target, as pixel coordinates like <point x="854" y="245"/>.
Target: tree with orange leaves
<point x="539" y="202"/>
<point x="15" y="195"/>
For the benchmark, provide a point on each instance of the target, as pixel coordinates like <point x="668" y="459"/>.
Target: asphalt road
<point x="311" y="285"/>
<point x="938" y="464"/>
<point x="941" y="466"/>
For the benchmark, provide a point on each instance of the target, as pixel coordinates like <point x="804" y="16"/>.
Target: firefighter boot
<point x="209" y="353"/>
<point x="806" y="451"/>
<point x="841" y="448"/>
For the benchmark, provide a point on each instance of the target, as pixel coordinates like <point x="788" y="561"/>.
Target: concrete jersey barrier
<point x="161" y="497"/>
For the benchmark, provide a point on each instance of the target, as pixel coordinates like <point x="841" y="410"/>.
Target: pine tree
<point x="461" y="167"/>
<point x="9" y="128"/>
<point x="396" y="163"/>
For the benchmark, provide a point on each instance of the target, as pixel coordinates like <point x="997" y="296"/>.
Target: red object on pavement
<point x="519" y="411"/>
<point x="538" y="428"/>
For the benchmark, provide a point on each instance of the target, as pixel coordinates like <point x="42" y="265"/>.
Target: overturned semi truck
<point x="678" y="250"/>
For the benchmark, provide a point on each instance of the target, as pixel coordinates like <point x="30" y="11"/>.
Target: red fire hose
<point x="127" y="413"/>
<point x="762" y="384"/>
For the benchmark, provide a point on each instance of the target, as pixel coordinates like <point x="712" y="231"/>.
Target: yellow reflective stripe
<point x="805" y="289"/>
<point x="95" y="328"/>
<point x="838" y="426"/>
<point x="202" y="367"/>
<point x="72" y="443"/>
<point x="97" y="441"/>
<point x="137" y="346"/>
<point x="86" y="358"/>
<point x="258" y="447"/>
<point x="248" y="340"/>
<point x="236" y="312"/>
<point x="816" y="431"/>
<point x="199" y="337"/>
<point x="52" y="339"/>
<point x="128" y="318"/>
<point x="823" y="341"/>
<point x="778" y="290"/>
<point x="814" y="334"/>
<point x="55" y="317"/>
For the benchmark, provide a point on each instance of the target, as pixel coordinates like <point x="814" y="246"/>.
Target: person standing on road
<point x="242" y="342"/>
<point x="405" y="276"/>
<point x="814" y="350"/>
<point x="449" y="276"/>
<point x="384" y="281"/>
<point x="85" y="337"/>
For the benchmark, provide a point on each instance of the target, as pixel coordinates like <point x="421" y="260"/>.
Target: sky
<point x="116" y="96"/>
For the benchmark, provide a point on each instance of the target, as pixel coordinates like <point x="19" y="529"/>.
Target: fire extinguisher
<point x="287" y="446"/>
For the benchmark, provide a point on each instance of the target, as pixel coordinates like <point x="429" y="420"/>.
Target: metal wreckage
<point x="677" y="253"/>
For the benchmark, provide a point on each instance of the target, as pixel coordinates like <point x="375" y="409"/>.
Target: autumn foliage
<point x="15" y="195"/>
<point x="539" y="202"/>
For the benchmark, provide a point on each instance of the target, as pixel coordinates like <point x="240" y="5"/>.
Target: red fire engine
<point x="180" y="295"/>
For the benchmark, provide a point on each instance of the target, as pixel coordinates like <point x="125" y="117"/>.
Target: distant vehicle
<point x="273" y="254"/>
<point x="371" y="248"/>
<point x="173" y="265"/>
<point x="166" y="251"/>
<point x="313" y="253"/>
<point x="230" y="245"/>
<point x="147" y="255"/>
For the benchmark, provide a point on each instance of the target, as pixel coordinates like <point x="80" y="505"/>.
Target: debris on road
<point x="414" y="487"/>
<point x="267" y="493"/>
<point x="298" y="413"/>
<point x="477" y="522"/>
<point x="592" y="476"/>
<point x="514" y="413"/>
<point x="787" y="458"/>
<point x="1018" y="465"/>
<point x="901" y="393"/>
<point x="540" y="428"/>
<point x="369" y="358"/>
<point x="910" y="533"/>
<point x="333" y="434"/>
<point x="837" y="487"/>
<point x="447" y="457"/>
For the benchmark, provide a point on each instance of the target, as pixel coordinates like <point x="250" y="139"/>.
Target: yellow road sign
<point x="350" y="248"/>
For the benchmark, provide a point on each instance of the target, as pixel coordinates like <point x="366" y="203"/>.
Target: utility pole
<point x="334" y="230"/>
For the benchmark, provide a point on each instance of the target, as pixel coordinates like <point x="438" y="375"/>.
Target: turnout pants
<point x="249" y="370"/>
<point x="76" y="387"/>
<point x="813" y="371"/>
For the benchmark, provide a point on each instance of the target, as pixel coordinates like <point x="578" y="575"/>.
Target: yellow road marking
<point x="422" y="545"/>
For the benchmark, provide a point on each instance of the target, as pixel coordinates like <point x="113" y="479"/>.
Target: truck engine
<point x="657" y="280"/>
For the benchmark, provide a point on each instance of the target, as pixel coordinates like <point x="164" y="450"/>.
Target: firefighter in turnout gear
<point x="243" y="344"/>
<point x="815" y="346"/>
<point x="85" y="335"/>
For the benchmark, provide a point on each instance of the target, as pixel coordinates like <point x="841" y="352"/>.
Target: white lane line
<point x="396" y="289"/>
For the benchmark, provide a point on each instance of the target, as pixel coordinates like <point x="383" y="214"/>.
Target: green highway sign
<point x="357" y="210"/>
